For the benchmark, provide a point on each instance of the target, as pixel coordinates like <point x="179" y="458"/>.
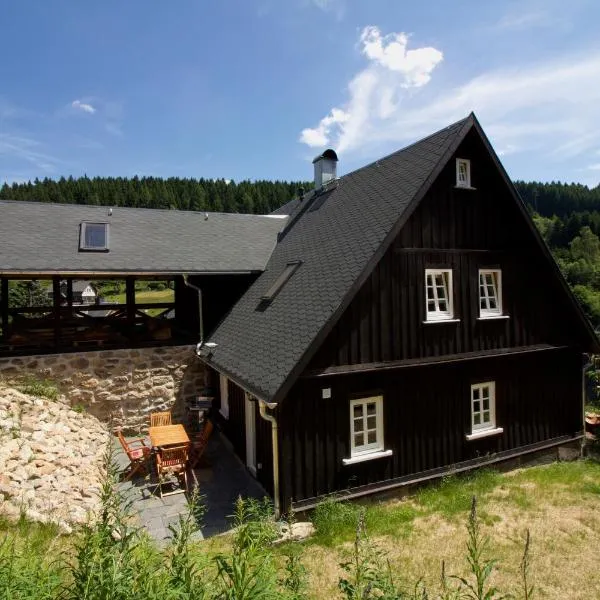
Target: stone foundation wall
<point x="120" y="387"/>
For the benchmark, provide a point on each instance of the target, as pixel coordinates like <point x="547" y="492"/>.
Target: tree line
<point x="567" y="215"/>
<point x="215" y="195"/>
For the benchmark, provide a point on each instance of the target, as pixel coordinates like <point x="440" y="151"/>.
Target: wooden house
<point x="410" y="322"/>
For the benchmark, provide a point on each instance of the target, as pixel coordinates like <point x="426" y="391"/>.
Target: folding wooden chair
<point x="172" y="462"/>
<point x="199" y="445"/>
<point x="138" y="457"/>
<point x="158" y="419"/>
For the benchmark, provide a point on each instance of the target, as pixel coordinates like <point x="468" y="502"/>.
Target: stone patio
<point x="221" y="482"/>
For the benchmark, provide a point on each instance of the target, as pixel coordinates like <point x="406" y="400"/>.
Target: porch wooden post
<point x="130" y="301"/>
<point x="4" y="306"/>
<point x="56" y="309"/>
<point x="70" y="295"/>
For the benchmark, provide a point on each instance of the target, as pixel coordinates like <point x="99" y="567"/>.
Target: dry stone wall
<point x="51" y="459"/>
<point x="120" y="387"/>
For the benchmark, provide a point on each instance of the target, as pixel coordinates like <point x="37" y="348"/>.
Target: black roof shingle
<point x="44" y="238"/>
<point x="337" y="234"/>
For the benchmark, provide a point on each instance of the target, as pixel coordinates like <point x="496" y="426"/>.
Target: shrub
<point x="42" y="388"/>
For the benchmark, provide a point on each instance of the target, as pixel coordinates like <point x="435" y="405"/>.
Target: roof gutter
<point x="200" y="317"/>
<point x="262" y="409"/>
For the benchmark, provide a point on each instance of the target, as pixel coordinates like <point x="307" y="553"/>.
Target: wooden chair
<point x="169" y="462"/>
<point x="199" y="444"/>
<point x="157" y="419"/>
<point x="138" y="457"/>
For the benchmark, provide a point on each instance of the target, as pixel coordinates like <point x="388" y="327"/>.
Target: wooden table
<point x="168" y="435"/>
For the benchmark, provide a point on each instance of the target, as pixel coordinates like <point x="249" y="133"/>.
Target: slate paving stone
<point x="221" y="482"/>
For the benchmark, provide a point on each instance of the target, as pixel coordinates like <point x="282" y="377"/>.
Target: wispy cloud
<point x="551" y="108"/>
<point x="526" y="20"/>
<point x="27" y="149"/>
<point x="375" y="93"/>
<point x="83" y="106"/>
<point x="335" y="7"/>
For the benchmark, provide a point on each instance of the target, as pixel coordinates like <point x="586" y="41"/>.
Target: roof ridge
<point x="134" y="208"/>
<point x="458" y="123"/>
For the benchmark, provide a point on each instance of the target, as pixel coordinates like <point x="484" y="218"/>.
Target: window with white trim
<point x="366" y="425"/>
<point x="224" y="389"/>
<point x="490" y="293"/>
<point x="438" y="294"/>
<point x="483" y="406"/>
<point x="463" y="173"/>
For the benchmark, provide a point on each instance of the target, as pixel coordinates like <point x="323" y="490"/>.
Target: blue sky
<point x="255" y="88"/>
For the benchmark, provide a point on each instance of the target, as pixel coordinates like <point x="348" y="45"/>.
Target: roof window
<point x="278" y="284"/>
<point x="93" y="237"/>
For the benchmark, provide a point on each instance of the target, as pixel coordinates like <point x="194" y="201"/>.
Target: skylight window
<point x="93" y="237"/>
<point x="278" y="284"/>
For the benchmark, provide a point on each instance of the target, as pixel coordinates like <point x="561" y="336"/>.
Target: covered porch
<point x="41" y="314"/>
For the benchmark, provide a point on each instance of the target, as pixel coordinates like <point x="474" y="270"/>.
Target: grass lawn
<point x="559" y="504"/>
<point x="148" y="296"/>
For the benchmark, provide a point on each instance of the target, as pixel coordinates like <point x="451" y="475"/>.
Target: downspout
<point x="586" y="366"/>
<point x="262" y="408"/>
<point x="200" y="318"/>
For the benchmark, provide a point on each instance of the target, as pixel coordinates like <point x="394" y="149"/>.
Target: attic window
<point x="463" y="173"/>
<point x="278" y="284"/>
<point x="93" y="237"/>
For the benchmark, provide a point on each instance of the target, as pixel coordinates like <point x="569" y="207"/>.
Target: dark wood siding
<point x="235" y="428"/>
<point x="219" y="294"/>
<point x="426" y="418"/>
<point x="463" y="230"/>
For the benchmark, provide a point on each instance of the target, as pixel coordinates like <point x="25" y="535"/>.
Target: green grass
<point x="42" y="388"/>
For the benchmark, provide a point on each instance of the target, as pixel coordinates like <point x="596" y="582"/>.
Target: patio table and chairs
<point x="170" y="450"/>
<point x="171" y="444"/>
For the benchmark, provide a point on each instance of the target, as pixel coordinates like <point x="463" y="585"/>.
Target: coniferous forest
<point x="567" y="215"/>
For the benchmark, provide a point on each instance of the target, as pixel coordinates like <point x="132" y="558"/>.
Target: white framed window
<point x="490" y="293"/>
<point x="224" y="389"/>
<point x="463" y="173"/>
<point x="438" y="294"/>
<point x="366" y="425"/>
<point x="483" y="406"/>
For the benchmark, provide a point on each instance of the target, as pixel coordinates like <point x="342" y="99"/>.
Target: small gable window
<point x="463" y="173"/>
<point x="366" y="430"/>
<point x="93" y="237"/>
<point x="490" y="293"/>
<point x="438" y="294"/>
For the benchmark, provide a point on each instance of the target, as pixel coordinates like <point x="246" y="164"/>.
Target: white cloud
<point x="526" y="20"/>
<point x="390" y="52"/>
<point x="375" y="92"/>
<point x="595" y="167"/>
<point x="83" y="106"/>
<point x="548" y="109"/>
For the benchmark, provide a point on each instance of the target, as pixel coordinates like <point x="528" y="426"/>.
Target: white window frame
<point x="437" y="314"/>
<point x="463" y="183"/>
<point x="490" y="424"/>
<point x="224" y="388"/>
<point x="488" y="313"/>
<point x="377" y="445"/>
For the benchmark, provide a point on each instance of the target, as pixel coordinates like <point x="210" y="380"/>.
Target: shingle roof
<point x="39" y="238"/>
<point x="337" y="234"/>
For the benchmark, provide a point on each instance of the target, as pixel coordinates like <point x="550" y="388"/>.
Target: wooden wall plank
<point x="427" y="415"/>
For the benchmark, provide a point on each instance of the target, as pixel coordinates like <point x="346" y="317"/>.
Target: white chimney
<point x="325" y="168"/>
